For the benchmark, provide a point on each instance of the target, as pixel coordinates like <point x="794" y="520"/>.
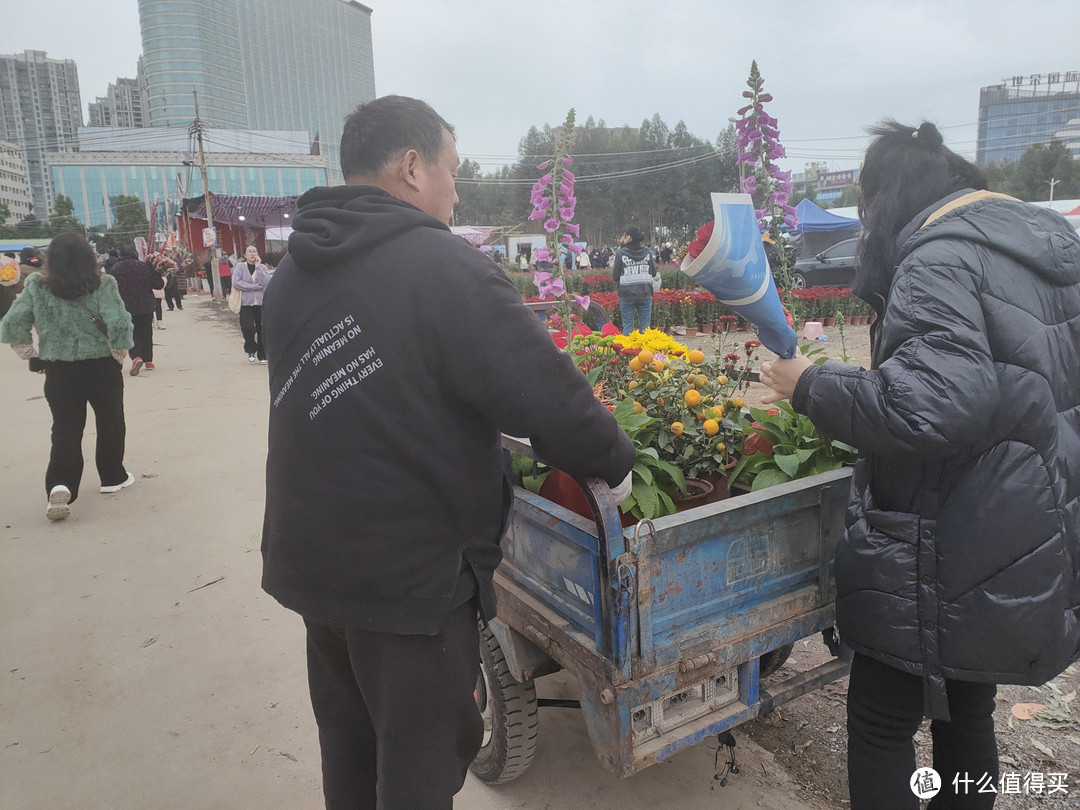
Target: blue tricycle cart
<point x="668" y="626"/>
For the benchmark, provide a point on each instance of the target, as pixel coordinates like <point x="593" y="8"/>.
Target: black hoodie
<point x="397" y="354"/>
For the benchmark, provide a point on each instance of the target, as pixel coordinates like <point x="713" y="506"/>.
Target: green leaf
<point x="788" y="463"/>
<point x="769" y="478"/>
<point x="644" y="473"/>
<point x="646" y="498"/>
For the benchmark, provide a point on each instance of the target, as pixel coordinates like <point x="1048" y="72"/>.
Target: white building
<point x="14" y="182"/>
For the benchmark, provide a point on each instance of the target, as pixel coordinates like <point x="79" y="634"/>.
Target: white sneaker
<point x="262" y="363"/>
<point x="251" y="358"/>
<point x="117" y="487"/>
<point x="57" y="508"/>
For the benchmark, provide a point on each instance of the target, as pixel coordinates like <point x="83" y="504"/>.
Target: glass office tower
<point x="258" y="64"/>
<point x="1024" y="111"/>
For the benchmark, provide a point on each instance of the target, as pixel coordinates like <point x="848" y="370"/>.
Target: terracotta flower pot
<point x="828" y="321"/>
<point x="697" y="494"/>
<point x="705" y="328"/>
<point x="691" y="331"/>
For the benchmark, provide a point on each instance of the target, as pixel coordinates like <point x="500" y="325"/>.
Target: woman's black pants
<point x="142" y="336"/>
<point x="251" y="329"/>
<point x="885" y="708"/>
<point x="69" y="387"/>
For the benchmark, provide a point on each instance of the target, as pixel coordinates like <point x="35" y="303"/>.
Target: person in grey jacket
<point x="960" y="566"/>
<point x="251" y="277"/>
<point x="633" y="273"/>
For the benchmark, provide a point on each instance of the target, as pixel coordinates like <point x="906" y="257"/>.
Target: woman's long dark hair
<point x="71" y="268"/>
<point x="905" y="171"/>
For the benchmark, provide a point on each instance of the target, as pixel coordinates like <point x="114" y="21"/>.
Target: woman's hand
<point x="781" y="376"/>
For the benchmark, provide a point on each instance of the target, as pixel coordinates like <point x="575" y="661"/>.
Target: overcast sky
<point x="493" y="68"/>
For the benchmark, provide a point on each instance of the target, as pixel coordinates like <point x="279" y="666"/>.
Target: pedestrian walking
<point x="83" y="332"/>
<point x="251" y="277"/>
<point x="960" y="567"/>
<point x="174" y="296"/>
<point x="137" y="281"/>
<point x="383" y="534"/>
<point x="633" y="272"/>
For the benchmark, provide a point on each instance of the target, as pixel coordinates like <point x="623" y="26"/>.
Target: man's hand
<point x="622" y="491"/>
<point x="781" y="376"/>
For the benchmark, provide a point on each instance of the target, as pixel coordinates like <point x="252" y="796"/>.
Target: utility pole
<point x="1052" y="183"/>
<point x="197" y="130"/>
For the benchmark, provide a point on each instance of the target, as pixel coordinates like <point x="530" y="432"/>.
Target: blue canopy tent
<point x="819" y="229"/>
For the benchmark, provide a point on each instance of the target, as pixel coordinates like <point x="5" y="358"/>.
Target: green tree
<point x="848" y="197"/>
<point x="1040" y="165"/>
<point x="62" y="219"/>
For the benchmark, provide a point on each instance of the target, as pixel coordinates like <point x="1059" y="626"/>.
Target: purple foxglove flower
<point x="557" y="286"/>
<point x="748" y="158"/>
<point x="575" y="249"/>
<point x="544" y="181"/>
<point x="566" y="239"/>
<point x="542" y="254"/>
<point x="541" y="276"/>
<point x="743" y="110"/>
<point x="755" y="135"/>
<point x="551" y="225"/>
<point x="567" y="160"/>
<point x="567" y="189"/>
<point x="777" y="152"/>
<point x="567" y="213"/>
<point x="787" y="188"/>
<point x="780" y="198"/>
<point x="569" y="175"/>
<point x="582" y="301"/>
<point x="749" y="184"/>
<point x="538" y="213"/>
<point x="747" y="94"/>
<point x="765" y="97"/>
<point x="791" y="221"/>
<point x="572" y="229"/>
<point x="544" y="166"/>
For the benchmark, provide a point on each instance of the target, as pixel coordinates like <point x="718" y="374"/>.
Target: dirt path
<point x="142" y="668"/>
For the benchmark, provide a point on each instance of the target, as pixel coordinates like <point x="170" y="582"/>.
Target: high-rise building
<point x="14" y="182"/>
<point x="1023" y="111"/>
<point x="123" y="105"/>
<point x="41" y="111"/>
<point x="155" y="165"/>
<point x="250" y="73"/>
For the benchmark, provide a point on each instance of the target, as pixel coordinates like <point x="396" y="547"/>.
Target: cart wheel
<point x="772" y="661"/>
<point x="510" y="718"/>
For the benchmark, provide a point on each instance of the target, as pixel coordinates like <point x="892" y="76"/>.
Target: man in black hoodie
<point x="397" y="353"/>
<point x="633" y="273"/>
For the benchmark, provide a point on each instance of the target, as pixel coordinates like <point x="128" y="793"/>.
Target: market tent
<point x="819" y="229"/>
<point x="813" y="217"/>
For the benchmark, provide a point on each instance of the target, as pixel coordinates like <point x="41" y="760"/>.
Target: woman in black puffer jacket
<point x="960" y="567"/>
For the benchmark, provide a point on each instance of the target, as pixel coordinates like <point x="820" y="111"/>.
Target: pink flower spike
<point x="551" y="225"/>
<point x="582" y="301"/>
<point x="545" y="165"/>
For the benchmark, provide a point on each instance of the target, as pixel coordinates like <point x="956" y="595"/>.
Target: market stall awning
<point x="248" y="210"/>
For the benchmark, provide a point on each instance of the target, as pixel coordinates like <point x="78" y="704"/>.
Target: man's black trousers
<point x="398" y="722"/>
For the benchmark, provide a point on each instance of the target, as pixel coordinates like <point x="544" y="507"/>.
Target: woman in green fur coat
<point x="82" y="363"/>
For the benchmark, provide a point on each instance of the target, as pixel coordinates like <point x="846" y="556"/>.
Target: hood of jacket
<point x="334" y="223"/>
<point x="1029" y="235"/>
<point x="635" y="250"/>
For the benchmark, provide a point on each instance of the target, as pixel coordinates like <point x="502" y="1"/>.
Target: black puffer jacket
<point x="962" y="554"/>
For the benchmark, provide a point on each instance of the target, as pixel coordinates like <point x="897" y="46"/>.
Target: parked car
<point x="833" y="267"/>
